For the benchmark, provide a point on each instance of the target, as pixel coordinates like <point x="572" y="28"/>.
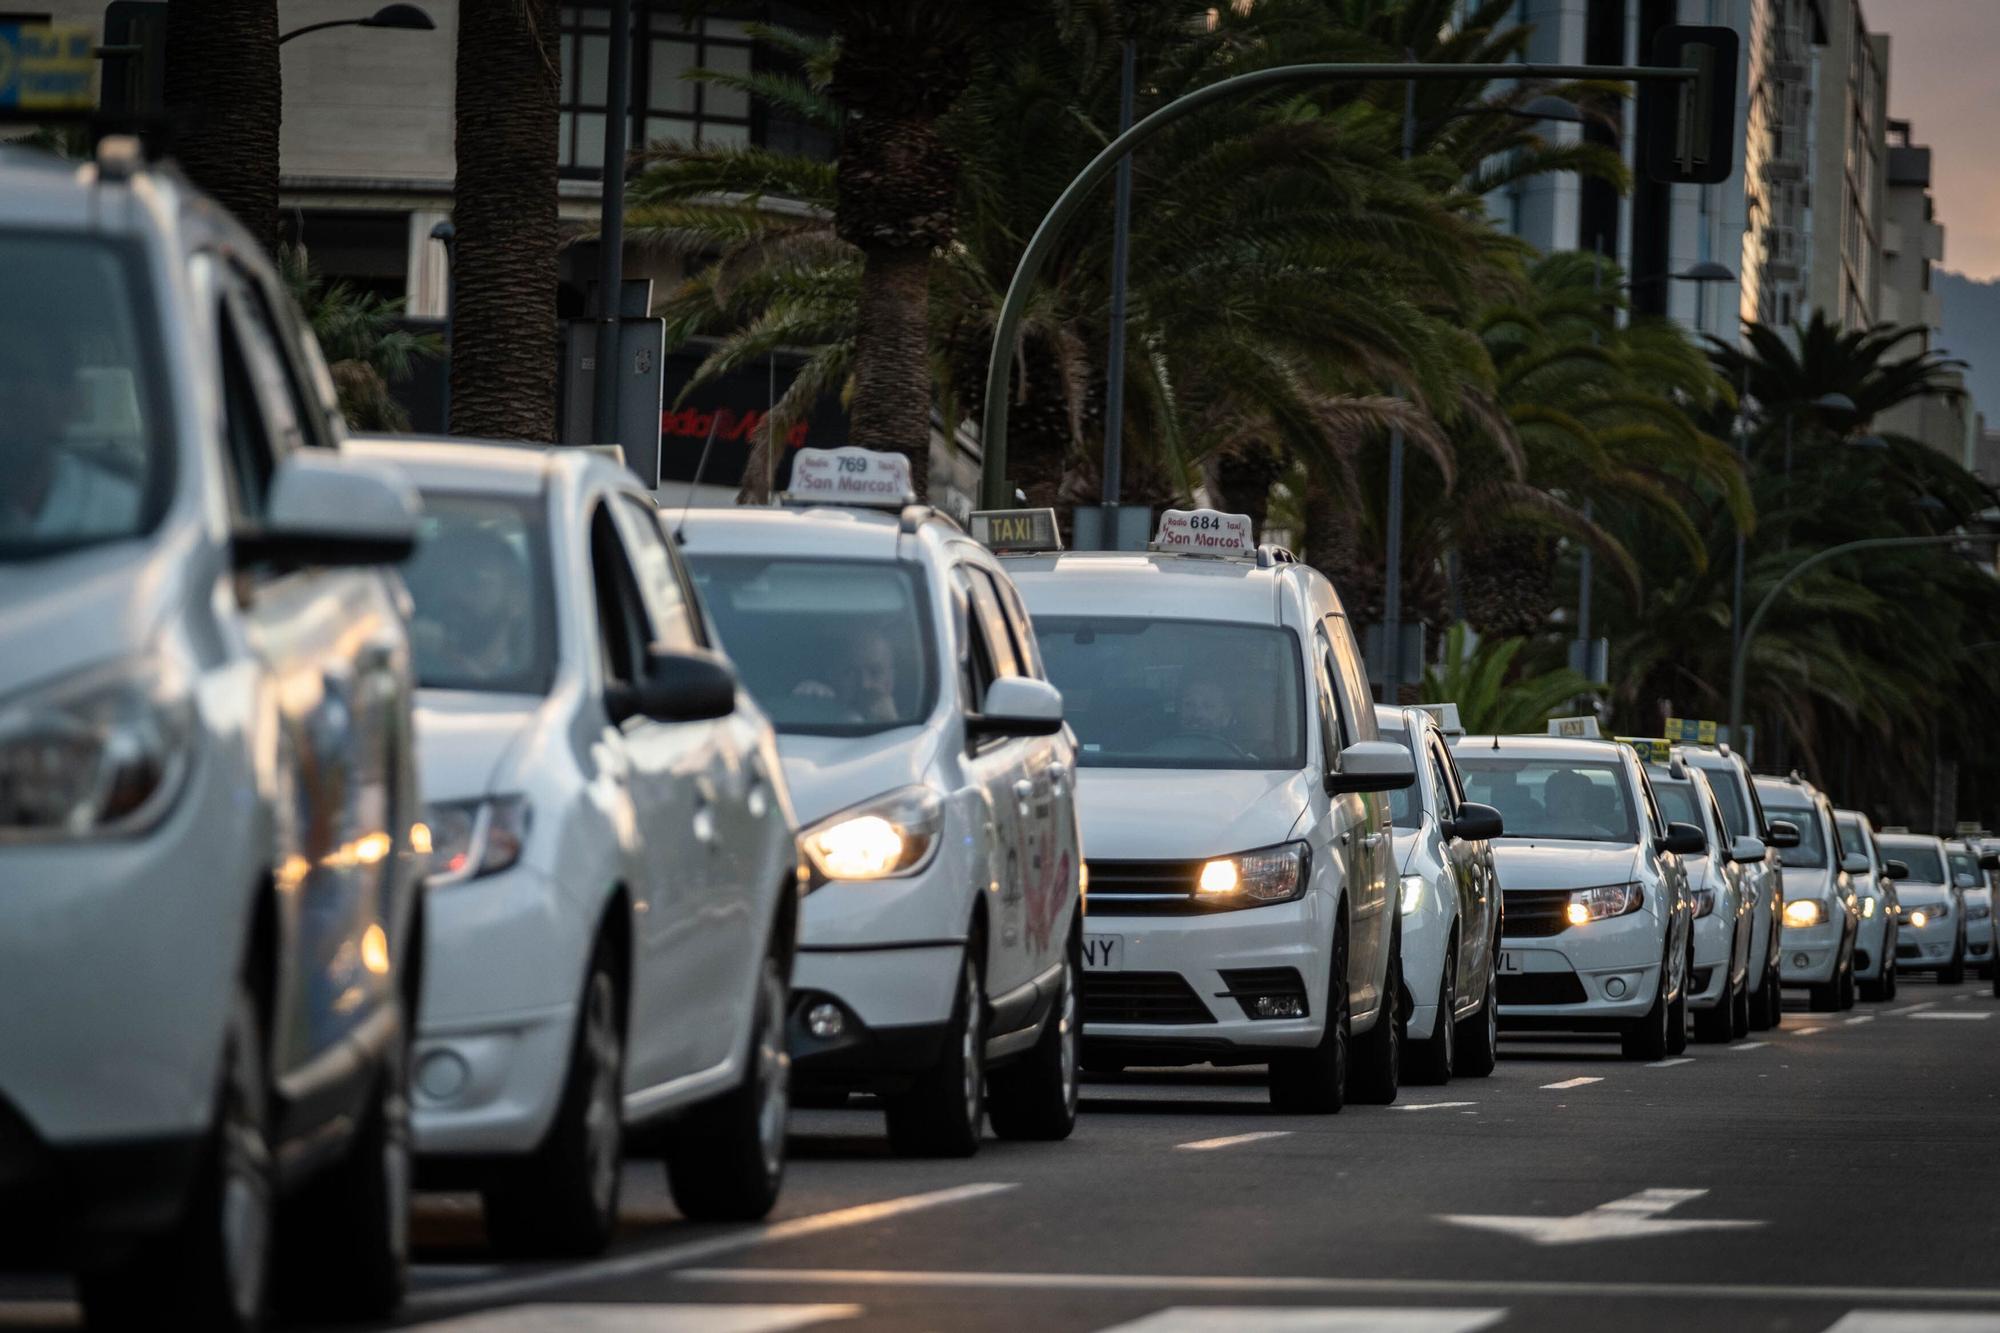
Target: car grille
<point x="1908" y="950"/>
<point x="1141" y="997"/>
<point x="1530" y="913"/>
<point x="1138" y="888"/>
<point x="1542" y="988"/>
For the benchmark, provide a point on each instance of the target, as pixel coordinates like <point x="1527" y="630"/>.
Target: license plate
<point x="1511" y="964"/>
<point x="1103" y="953"/>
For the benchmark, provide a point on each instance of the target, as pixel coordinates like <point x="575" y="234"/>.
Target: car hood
<point x="1562" y="865"/>
<point x="1921" y="895"/>
<point x="465" y="740"/>
<point x="830" y="773"/>
<point x="1807" y="881"/>
<point x="80" y="608"/>
<point x="1162" y="814"/>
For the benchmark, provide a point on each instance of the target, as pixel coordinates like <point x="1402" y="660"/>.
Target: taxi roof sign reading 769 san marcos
<point x="1205" y="532"/>
<point x="850" y="476"/>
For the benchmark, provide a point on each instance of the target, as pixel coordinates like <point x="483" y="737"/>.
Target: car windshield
<point x="1176" y="693"/>
<point x="1852" y="837"/>
<point x="1564" y="799"/>
<point x="1810" y="854"/>
<point x="1966" y="863"/>
<point x="1406" y="804"/>
<point x="1677" y="802"/>
<point x="1729" y="799"/>
<point x="827" y="647"/>
<point x="1925" y="865"/>
<point x="84" y="443"/>
<point x="485" y="609"/>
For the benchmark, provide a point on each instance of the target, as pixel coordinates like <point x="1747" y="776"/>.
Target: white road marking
<point x="1325" y="1319"/>
<point x="1432" y="1106"/>
<point x="1912" y="1008"/>
<point x="1635" y="1215"/>
<point x="1333" y="1286"/>
<point x="1914" y="1321"/>
<point x="1749" y="1045"/>
<point x="1569" y="1083"/>
<point x="648" y="1318"/>
<point x="1670" y="1062"/>
<point x="673" y="1256"/>
<point x="1860" y="1018"/>
<point x="1987" y="1013"/>
<point x="1806" y="1032"/>
<point x="1962" y="998"/>
<point x="1231" y="1140"/>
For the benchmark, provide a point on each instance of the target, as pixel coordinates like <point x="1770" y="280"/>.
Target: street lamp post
<point x="405" y="18"/>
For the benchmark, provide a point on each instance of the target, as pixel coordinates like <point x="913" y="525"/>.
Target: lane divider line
<point x="1569" y="1083"/>
<point x="1749" y="1045"/>
<point x="1670" y="1062"/>
<point x="1988" y="1013"/>
<point x="1231" y="1140"/>
<point x="1806" y="1032"/>
<point x="1857" y="1019"/>
<point x="674" y="1256"/>
<point x="1432" y="1106"/>
<point x="1912" y="1008"/>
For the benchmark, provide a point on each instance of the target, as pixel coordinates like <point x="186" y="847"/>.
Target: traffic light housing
<point x="1688" y="126"/>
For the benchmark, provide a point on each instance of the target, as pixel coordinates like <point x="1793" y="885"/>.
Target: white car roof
<point x="1540" y="747"/>
<point x="833" y="532"/>
<point x="467" y="465"/>
<point x="1177" y="587"/>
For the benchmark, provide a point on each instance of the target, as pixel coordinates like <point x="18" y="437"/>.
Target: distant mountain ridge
<point x="1972" y="333"/>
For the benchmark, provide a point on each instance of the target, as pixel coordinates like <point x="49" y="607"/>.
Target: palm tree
<point x="365" y="348"/>
<point x="503" y="364"/>
<point x="224" y="94"/>
<point x="1494" y="691"/>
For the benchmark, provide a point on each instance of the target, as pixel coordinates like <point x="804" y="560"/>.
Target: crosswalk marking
<point x="1569" y="1083"/>
<point x="647" y="1318"/>
<point x="1806" y="1032"/>
<point x="1308" y="1319"/>
<point x="1231" y="1140"/>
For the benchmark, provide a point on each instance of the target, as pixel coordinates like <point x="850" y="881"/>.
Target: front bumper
<point x="1927" y="947"/>
<point x="895" y="1006"/>
<point x="1979" y="940"/>
<point x="1810" y="955"/>
<point x="1424" y="940"/>
<point x="1590" y="977"/>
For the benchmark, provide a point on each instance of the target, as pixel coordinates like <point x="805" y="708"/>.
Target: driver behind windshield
<point x="863" y="682"/>
<point x="50" y="492"/>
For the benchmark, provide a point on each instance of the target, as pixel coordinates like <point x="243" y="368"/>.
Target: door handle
<point x="1372" y="841"/>
<point x="704" y="813"/>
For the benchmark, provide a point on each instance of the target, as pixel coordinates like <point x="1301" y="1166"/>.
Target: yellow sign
<point x="1017" y="529"/>
<point x="1688" y="730"/>
<point x="44" y="67"/>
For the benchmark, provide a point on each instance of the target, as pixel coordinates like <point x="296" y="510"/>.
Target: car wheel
<point x="1645" y="1038"/>
<point x="563" y="1200"/>
<point x="1036" y="1097"/>
<point x="1953" y="973"/>
<point x="1892" y="974"/>
<point x="1376" y="1071"/>
<point x="726" y="1160"/>
<point x="1479" y="1035"/>
<point x="1719" y="1024"/>
<point x="1314" y="1082"/>
<point x="212" y="1269"/>
<point x="1432" y="1059"/>
<point x="359" y="1209"/>
<point x="1847" y="984"/>
<point x="1677" y="1008"/>
<point x="944" y="1111"/>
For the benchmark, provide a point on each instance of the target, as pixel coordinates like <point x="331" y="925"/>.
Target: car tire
<point x="944" y="1112"/>
<point x="562" y="1201"/>
<point x="1433" y="1059"/>
<point x="1035" y="1098"/>
<point x="359" y="1209"/>
<point x="1847" y="987"/>
<point x="1479" y="1035"/>
<point x="1996" y="981"/>
<point x="1719" y="1024"/>
<point x="1314" y="1082"/>
<point x="1764" y="1015"/>
<point x="1645" y="1038"/>
<point x="1376" y="1072"/>
<point x="1677" y="1009"/>
<point x="726" y="1159"/>
<point x="1953" y="973"/>
<point x="212" y="1269"/>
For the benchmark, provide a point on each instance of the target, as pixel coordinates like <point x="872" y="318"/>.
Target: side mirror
<point x="1854" y="863"/>
<point x="1747" y="849"/>
<point x="1965" y="880"/>
<point x="1684" y="840"/>
<point x="1895" y="870"/>
<point x="1373" y="766"/>
<point x="1018" y="706"/>
<point x="1475" y="823"/>
<point x="1781" y="834"/>
<point x="678" y="687"/>
<point x="1989" y="860"/>
<point x="328" y="509"/>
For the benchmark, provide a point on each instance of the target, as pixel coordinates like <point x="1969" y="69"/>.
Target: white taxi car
<point x="1970" y="876"/>
<point x="1450" y="901"/>
<point x="1875" y="946"/>
<point x="1597" y="931"/>
<point x="1719" y="991"/>
<point x="1822" y="902"/>
<point x="1243" y="905"/>
<point x="941" y="936"/>
<point x="614" y="884"/>
<point x="1743" y="817"/>
<point x="1931" y="937"/>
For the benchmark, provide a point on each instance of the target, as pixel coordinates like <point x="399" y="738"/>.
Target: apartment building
<point x="1912" y="245"/>
<point x="1777" y="158"/>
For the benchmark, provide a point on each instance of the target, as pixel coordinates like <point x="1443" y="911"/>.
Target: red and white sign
<point x="1205" y="532"/>
<point x="850" y="476"/>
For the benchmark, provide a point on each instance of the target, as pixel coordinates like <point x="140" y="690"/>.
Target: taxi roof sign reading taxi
<point x="850" y="476"/>
<point x="1575" y="728"/>
<point x="1004" y="530"/>
<point x="1205" y="532"/>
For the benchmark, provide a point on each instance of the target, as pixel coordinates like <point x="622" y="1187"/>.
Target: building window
<point x="665" y="104"/>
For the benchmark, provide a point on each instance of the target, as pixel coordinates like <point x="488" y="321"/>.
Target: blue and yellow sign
<point x="44" y="67"/>
<point x="1652" y="749"/>
<point x="1689" y="731"/>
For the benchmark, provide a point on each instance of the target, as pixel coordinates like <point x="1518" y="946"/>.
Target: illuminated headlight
<point x="893" y="835"/>
<point x="1977" y="911"/>
<point x="1704" y="902"/>
<point x="1252" y="879"/>
<point x="471" y="839"/>
<point x="1606" y="900"/>
<point x="1804" y="912"/>
<point x="99" y="755"/>
<point x="1920" y="918"/>
<point x="1868" y="907"/>
<point x="1413" y="893"/>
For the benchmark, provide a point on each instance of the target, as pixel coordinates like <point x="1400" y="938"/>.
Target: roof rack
<point x="1268" y="555"/>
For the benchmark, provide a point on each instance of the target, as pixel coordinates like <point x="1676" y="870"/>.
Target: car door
<point x="331" y="661"/>
<point x="1365" y="818"/>
<point x="1468" y="861"/>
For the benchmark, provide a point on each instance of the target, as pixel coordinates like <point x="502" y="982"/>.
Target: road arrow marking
<point x="1569" y="1083"/>
<point x="1432" y="1106"/>
<point x="1635" y="1216"/>
<point x="1206" y="1145"/>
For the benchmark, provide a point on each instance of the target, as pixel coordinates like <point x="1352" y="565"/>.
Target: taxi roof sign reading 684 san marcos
<point x="850" y="476"/>
<point x="44" y="67"/>
<point x="1205" y="532"/>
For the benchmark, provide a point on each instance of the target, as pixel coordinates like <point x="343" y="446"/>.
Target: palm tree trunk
<point x="892" y="372"/>
<point x="503" y="363"/>
<point x="225" y="94"/>
<point x="1243" y="480"/>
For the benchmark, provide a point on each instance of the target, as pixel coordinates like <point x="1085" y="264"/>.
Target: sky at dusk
<point x="1944" y="77"/>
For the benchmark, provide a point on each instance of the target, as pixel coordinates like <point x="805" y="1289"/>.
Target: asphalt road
<point x="1838" y="1173"/>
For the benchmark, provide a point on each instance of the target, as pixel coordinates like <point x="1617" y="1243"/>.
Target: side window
<point x="295" y="413"/>
<point x="1026" y="647"/>
<point x="668" y="610"/>
<point x="1652" y="806"/>
<point x="247" y="445"/>
<point x="1760" y="821"/>
<point x="975" y="655"/>
<point x="1350" y="678"/>
<point x="1441" y="779"/>
<point x="621" y="630"/>
<point x="985" y="602"/>
<point x="1332" y="727"/>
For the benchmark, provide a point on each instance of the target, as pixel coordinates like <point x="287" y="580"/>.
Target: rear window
<point x="85" y="441"/>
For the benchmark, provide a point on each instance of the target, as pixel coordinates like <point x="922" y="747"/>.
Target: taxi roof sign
<point x="47" y="67"/>
<point x="1446" y="715"/>
<point x="1575" y="728"/>
<point x="1016" y="530"/>
<point x="1652" y="749"/>
<point x="1691" y="731"/>
<point x="850" y="476"/>
<point x="1205" y="532"/>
